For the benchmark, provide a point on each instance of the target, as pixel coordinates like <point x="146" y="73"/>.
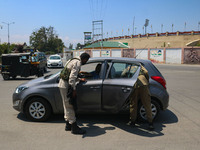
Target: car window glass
<point x="54" y="57"/>
<point x="122" y="70"/>
<point x="91" y="71"/>
<point x="34" y="59"/>
<point x="24" y="59"/>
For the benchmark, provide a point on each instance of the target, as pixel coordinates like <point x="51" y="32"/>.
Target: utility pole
<point x="133" y="24"/>
<point x="185" y="26"/>
<point x="198" y="25"/>
<point x="146" y="24"/>
<point x="0" y="28"/>
<point x="8" y="33"/>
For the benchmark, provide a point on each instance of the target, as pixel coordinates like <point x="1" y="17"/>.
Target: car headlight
<point x="48" y="62"/>
<point x="60" y="62"/>
<point x="20" y="89"/>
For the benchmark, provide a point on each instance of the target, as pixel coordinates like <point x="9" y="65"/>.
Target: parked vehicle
<point x="23" y="64"/>
<point x="54" y="61"/>
<point x="106" y="90"/>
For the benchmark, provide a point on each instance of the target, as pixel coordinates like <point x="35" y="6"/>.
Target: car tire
<point x="45" y="69"/>
<point x="14" y="77"/>
<point x="155" y="110"/>
<point x="6" y="76"/>
<point x="38" y="110"/>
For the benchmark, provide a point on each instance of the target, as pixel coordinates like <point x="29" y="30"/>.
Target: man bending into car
<point x="69" y="78"/>
<point x="141" y="91"/>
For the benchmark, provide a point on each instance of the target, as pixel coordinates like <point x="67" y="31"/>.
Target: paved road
<point x="177" y="128"/>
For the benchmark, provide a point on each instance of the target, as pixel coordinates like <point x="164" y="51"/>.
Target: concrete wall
<point x="141" y="53"/>
<point x="116" y="52"/>
<point x="157" y="55"/>
<point x="189" y="55"/>
<point x="159" y="42"/>
<point x="174" y="55"/>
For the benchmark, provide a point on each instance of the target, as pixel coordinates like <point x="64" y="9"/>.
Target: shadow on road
<point x="93" y="123"/>
<point x="18" y="78"/>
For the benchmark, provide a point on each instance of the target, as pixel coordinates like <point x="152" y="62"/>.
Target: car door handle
<point x="95" y="87"/>
<point x="126" y="89"/>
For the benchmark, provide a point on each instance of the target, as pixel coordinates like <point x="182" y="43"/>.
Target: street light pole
<point x="0" y="28"/>
<point x="8" y="32"/>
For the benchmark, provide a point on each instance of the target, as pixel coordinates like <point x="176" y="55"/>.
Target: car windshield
<point x="54" y="58"/>
<point x="34" y="58"/>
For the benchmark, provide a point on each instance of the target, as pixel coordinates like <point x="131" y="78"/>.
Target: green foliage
<point x="4" y="48"/>
<point x="70" y="46"/>
<point x="198" y="44"/>
<point x="78" y="46"/>
<point x="45" y="39"/>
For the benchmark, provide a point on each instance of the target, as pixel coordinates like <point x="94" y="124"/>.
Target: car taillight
<point x="159" y="80"/>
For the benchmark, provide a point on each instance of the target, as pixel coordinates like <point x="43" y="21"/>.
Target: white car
<point x="54" y="61"/>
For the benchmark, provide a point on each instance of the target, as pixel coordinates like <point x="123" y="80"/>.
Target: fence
<point x="188" y="55"/>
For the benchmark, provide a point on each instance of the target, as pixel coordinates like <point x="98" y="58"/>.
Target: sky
<point x="70" y="18"/>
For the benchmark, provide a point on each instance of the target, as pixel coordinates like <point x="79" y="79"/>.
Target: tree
<point x="78" y="46"/>
<point x="70" y="46"/>
<point x="4" y="48"/>
<point x="46" y="40"/>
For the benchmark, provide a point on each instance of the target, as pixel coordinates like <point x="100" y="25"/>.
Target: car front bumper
<point x="52" y="65"/>
<point x="17" y="102"/>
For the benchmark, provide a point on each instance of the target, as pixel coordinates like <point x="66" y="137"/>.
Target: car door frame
<point x="114" y="89"/>
<point x="94" y="87"/>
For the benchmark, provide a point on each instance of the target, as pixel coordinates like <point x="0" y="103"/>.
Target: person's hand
<point x="83" y="79"/>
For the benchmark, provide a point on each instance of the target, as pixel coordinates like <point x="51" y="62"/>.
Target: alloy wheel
<point x="37" y="110"/>
<point x="143" y="112"/>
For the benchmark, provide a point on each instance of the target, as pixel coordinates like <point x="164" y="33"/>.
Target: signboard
<point x="88" y="37"/>
<point x="156" y="55"/>
<point x="105" y="53"/>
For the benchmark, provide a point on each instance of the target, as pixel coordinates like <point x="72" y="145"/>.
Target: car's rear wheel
<point x="45" y="69"/>
<point x="38" y="109"/>
<point x="14" y="77"/>
<point x="40" y="73"/>
<point x="155" y="107"/>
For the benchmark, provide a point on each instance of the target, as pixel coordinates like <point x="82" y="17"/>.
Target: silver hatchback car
<point x="106" y="90"/>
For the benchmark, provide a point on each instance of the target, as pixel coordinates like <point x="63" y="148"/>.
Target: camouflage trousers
<point x="143" y="94"/>
<point x="69" y="113"/>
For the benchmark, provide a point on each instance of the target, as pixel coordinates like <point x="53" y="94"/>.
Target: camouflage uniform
<point x="141" y="91"/>
<point x="69" y="113"/>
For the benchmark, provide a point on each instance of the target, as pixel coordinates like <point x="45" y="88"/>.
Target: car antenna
<point x="141" y="51"/>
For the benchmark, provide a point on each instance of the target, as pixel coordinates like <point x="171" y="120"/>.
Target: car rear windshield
<point x="155" y="70"/>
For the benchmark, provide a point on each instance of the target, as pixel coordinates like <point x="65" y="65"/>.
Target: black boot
<point x="68" y="126"/>
<point x="131" y="123"/>
<point x="76" y="129"/>
<point x="151" y="127"/>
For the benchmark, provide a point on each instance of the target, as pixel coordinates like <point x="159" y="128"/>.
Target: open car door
<point x="89" y="92"/>
<point x="118" y="84"/>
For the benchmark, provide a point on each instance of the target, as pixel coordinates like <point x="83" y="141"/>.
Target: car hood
<point x="33" y="82"/>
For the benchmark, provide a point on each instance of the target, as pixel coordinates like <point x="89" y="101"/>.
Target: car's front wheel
<point x="6" y="76"/>
<point x="38" y="109"/>
<point x="155" y="108"/>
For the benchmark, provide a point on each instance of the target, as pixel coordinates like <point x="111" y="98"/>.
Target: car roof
<point x="54" y="55"/>
<point x="119" y="58"/>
